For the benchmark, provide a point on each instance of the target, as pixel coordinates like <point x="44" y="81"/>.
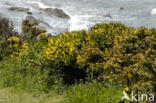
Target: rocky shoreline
<point x="51" y="11"/>
<point x="31" y="15"/>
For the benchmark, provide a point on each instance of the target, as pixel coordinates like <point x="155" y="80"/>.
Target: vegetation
<point x="93" y="92"/>
<point x="14" y="95"/>
<point x="82" y="67"/>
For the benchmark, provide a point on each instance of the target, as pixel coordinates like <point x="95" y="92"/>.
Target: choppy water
<point x="84" y="13"/>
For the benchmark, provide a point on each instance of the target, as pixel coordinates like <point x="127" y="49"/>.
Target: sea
<point x="83" y="13"/>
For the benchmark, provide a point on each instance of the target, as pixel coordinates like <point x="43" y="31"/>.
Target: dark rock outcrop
<point x="38" y="22"/>
<point x="29" y="12"/>
<point x="108" y="15"/>
<point x="56" y="12"/>
<point x="32" y="20"/>
<point x="121" y="8"/>
<point x="20" y="9"/>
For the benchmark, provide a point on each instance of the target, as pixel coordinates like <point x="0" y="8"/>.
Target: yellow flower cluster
<point x="42" y="36"/>
<point x="31" y="29"/>
<point x="126" y="89"/>
<point x="142" y="32"/>
<point x="91" y="58"/>
<point x="22" y="50"/>
<point x="14" y="42"/>
<point x="24" y="45"/>
<point x="63" y="47"/>
<point x="110" y="50"/>
<point x="102" y="35"/>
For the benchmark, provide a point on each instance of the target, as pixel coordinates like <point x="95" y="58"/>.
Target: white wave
<point x="153" y="12"/>
<point x="78" y="23"/>
<point x="39" y="4"/>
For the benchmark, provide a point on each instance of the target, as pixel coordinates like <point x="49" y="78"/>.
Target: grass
<point x="93" y="92"/>
<point x="13" y="95"/>
<point x="78" y="93"/>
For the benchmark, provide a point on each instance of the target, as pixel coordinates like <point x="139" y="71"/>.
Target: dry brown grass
<point x="11" y="95"/>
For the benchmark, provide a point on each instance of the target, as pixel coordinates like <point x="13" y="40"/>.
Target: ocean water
<point x="83" y="13"/>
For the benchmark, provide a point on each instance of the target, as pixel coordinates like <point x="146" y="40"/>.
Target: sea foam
<point x="78" y="23"/>
<point x="153" y="12"/>
<point x="39" y="4"/>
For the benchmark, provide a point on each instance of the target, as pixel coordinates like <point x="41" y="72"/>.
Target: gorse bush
<point x="28" y="69"/>
<point x="133" y="62"/>
<point x="102" y="35"/>
<point x="62" y="52"/>
<point x="14" y="44"/>
<point x="25" y="66"/>
<point x="30" y="31"/>
<point x="111" y="52"/>
<point x="64" y="48"/>
<point x="89" y="59"/>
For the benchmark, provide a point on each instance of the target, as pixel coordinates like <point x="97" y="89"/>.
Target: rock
<point x="32" y="20"/>
<point x="29" y="12"/>
<point x="108" y="15"/>
<point x="0" y="14"/>
<point x="20" y="9"/>
<point x="7" y="3"/>
<point x="43" y="25"/>
<point x="39" y="23"/>
<point x="121" y="8"/>
<point x="56" y="12"/>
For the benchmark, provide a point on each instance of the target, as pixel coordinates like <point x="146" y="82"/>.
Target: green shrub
<point x="15" y="73"/>
<point x="112" y="52"/>
<point x="64" y="49"/>
<point x="30" y="31"/>
<point x="132" y="62"/>
<point x="28" y="69"/>
<point x="62" y="52"/>
<point x="6" y="32"/>
<point x="6" y="29"/>
<point x="90" y="59"/>
<point x="102" y="35"/>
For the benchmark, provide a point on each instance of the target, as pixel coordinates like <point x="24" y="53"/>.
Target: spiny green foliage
<point x="29" y="72"/>
<point x="25" y="67"/>
<point x="30" y="31"/>
<point x="133" y="62"/>
<point x="113" y="52"/>
<point x="65" y="47"/>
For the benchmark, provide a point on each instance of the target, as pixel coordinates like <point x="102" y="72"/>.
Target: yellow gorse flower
<point x="14" y="39"/>
<point x="63" y="47"/>
<point x="14" y="43"/>
<point x="126" y="89"/>
<point x="42" y="36"/>
<point x="22" y="49"/>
